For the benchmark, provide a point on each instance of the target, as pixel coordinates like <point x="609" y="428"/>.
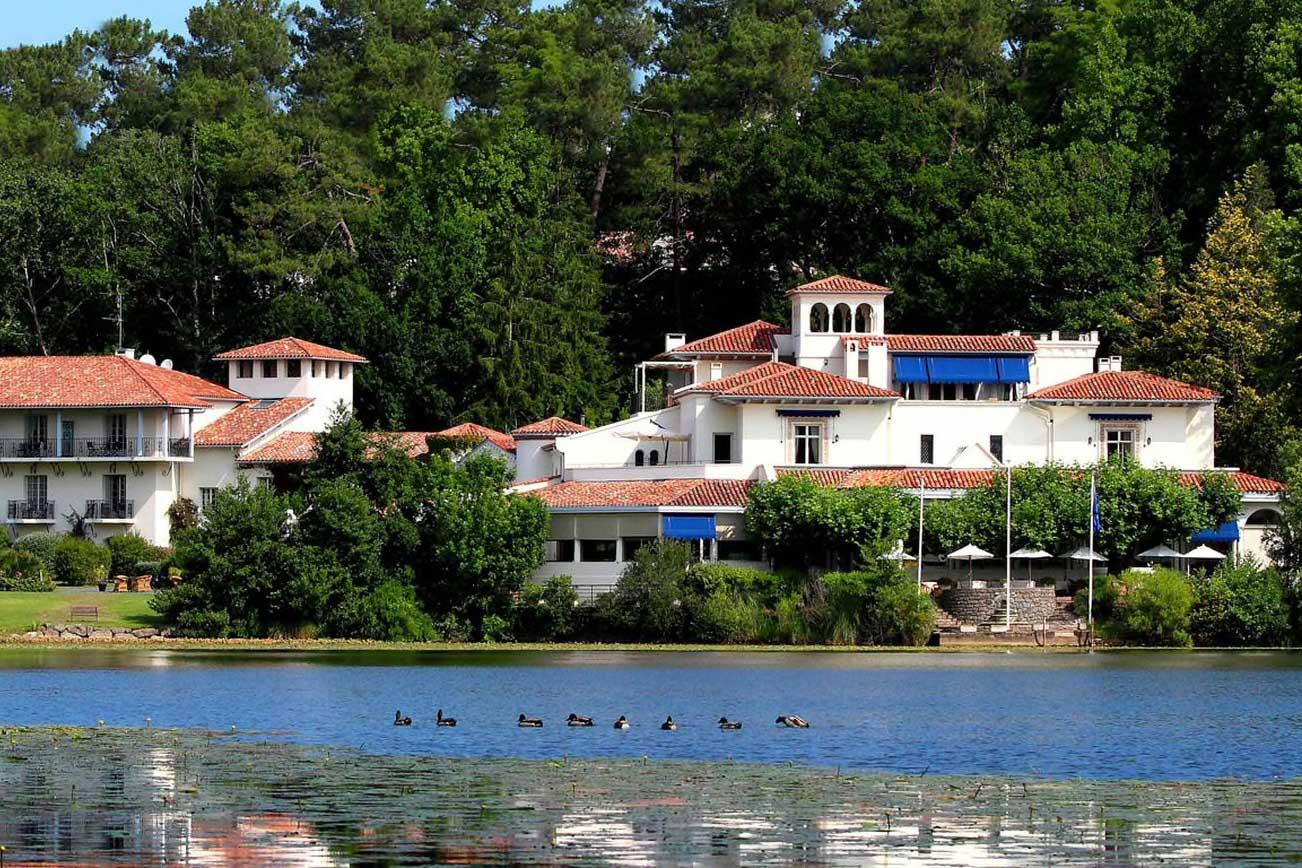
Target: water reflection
<point x="166" y="797"/>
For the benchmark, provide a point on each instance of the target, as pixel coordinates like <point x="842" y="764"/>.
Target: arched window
<point x="655" y="457"/>
<point x="1263" y="518"/>
<point x="639" y="458"/>
<point x="841" y="319"/>
<point x="863" y="319"/>
<point x="818" y="318"/>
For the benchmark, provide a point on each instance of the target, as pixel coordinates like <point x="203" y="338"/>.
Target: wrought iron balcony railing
<point x="110" y="509"/>
<point x="31" y="510"/>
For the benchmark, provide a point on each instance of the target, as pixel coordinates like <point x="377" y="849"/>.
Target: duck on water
<point x="578" y="720"/>
<point x="792" y="721"/>
<point x="445" y="721"/>
<point x="622" y="723"/>
<point x="725" y="723"/>
<point x="399" y="720"/>
<point x="529" y="722"/>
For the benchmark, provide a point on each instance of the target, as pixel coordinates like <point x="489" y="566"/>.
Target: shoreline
<point x="345" y="645"/>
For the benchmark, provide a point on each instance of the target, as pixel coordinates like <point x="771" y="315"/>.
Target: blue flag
<point x="1095" y="516"/>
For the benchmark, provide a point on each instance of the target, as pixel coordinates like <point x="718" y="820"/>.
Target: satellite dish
<point x="165" y="363"/>
<point x="147" y="359"/>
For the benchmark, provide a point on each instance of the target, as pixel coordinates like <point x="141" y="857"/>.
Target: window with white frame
<point x="807" y="442"/>
<point x="716" y="370"/>
<point x="1118" y="441"/>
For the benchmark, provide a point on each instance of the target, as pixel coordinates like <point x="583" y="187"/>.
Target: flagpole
<point x="922" y="496"/>
<point x="1089" y="624"/>
<point x="1008" y="552"/>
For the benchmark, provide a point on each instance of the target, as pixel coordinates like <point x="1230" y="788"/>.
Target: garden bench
<point x="91" y="612"/>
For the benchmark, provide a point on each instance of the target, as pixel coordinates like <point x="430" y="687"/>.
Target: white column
<point x="58" y="433"/>
<point x="167" y="433"/>
<point x="140" y="432"/>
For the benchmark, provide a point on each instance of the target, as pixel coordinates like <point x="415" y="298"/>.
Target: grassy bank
<point x="20" y="612"/>
<point x="134" y="796"/>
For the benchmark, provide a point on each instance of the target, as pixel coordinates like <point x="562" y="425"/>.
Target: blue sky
<point x="38" y="21"/>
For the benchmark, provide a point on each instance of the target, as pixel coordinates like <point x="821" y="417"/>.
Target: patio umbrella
<point x="1160" y="552"/>
<point x="1029" y="555"/>
<point x="1083" y="554"/>
<point x="970" y="553"/>
<point x="1203" y="553"/>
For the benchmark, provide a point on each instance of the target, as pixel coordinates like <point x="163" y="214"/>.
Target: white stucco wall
<point x="1179" y="436"/>
<point x="150" y="485"/>
<point x="854" y="437"/>
<point x="332" y="384"/>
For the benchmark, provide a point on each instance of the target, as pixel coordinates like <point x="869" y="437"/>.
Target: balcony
<point x="25" y="449"/>
<point x="31" y="510"/>
<point x="110" y="510"/>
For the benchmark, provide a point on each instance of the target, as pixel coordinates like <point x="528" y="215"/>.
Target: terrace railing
<point x="95" y="447"/>
<point x="110" y="509"/>
<point x="30" y="510"/>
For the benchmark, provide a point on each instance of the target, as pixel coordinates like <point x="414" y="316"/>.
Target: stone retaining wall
<point x="94" y="632"/>
<point x="978" y="605"/>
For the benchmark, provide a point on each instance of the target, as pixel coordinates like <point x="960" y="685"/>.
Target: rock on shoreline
<point x="95" y="633"/>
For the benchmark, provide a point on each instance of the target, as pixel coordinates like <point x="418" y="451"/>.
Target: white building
<point x="117" y="440"/>
<point x="839" y="397"/>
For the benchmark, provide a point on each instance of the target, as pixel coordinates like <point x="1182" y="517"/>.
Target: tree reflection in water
<point x="157" y="796"/>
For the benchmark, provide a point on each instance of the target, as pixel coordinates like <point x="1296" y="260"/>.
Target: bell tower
<point x="827" y="311"/>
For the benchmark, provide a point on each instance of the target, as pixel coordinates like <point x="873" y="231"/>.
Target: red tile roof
<point x="645" y="493"/>
<point x="942" y="477"/>
<point x="299" y="447"/>
<point x="841" y="284"/>
<point x="289" y="348"/>
<point x="1137" y="387"/>
<point x="1245" y="482"/>
<point x="960" y="343"/>
<point x="291" y="447"/>
<point x="249" y="421"/>
<point x="546" y="429"/>
<point x="101" y="381"/>
<point x="895" y="477"/>
<point x="505" y="442"/>
<point x="752" y="339"/>
<point x="781" y="380"/>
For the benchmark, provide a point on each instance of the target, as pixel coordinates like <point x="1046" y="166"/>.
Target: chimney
<point x="1055" y="335"/>
<point x="1110" y="363"/>
<point x="674" y="340"/>
<point x="127" y="352"/>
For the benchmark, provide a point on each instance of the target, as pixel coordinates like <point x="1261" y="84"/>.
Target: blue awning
<point x="910" y="369"/>
<point x="689" y="527"/>
<point x="1014" y="369"/>
<point x="1226" y="533"/>
<point x="1122" y="417"/>
<point x="962" y="369"/>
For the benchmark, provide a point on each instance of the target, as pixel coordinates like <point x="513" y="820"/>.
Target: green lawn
<point x="20" y="612"/>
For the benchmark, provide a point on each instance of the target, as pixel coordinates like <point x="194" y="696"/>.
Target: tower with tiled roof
<point x="291" y="367"/>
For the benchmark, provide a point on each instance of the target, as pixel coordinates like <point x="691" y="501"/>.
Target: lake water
<point x="1123" y="715"/>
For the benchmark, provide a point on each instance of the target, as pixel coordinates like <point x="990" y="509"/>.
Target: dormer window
<point x="863" y="319"/>
<point x="294" y="368"/>
<point x="818" y="319"/>
<point x="841" y="319"/>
